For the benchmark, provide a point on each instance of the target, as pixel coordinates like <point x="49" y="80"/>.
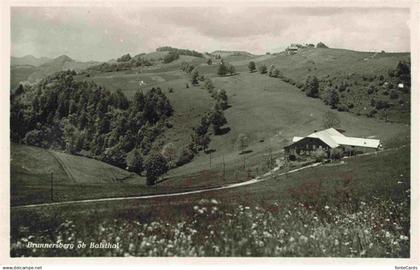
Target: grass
<point x="77" y="178"/>
<point x="84" y="170"/>
<point x="351" y="210"/>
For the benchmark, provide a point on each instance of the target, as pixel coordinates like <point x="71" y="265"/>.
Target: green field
<point x="337" y="210"/>
<point x="78" y="178"/>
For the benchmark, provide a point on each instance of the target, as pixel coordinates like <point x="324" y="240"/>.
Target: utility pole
<point x="52" y="187"/>
<point x="224" y="171"/>
<point x="210" y="158"/>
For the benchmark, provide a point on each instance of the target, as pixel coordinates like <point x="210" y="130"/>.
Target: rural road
<point x="228" y="186"/>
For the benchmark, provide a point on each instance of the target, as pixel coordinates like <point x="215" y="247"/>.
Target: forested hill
<point x="83" y="118"/>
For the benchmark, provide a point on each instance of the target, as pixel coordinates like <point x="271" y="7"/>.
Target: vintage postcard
<point x="233" y="130"/>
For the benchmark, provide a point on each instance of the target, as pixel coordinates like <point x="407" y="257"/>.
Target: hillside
<point x="274" y="110"/>
<point x="28" y="60"/>
<point x="42" y="68"/>
<point x="363" y="80"/>
<point x="31" y="169"/>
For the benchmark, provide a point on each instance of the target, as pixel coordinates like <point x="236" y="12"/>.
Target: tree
<point x="184" y="156"/>
<point x="137" y="163"/>
<point x="251" y="66"/>
<point x="209" y="62"/>
<point x="169" y="152"/>
<point x="270" y="70"/>
<point x="156" y="165"/>
<point x="217" y="119"/>
<point x="319" y="155"/>
<point x="275" y="73"/>
<point x="222" y="70"/>
<point x="222" y="99"/>
<point x="201" y="141"/>
<point x="171" y="56"/>
<point x="204" y="126"/>
<point x="312" y="86"/>
<point x="321" y="45"/>
<point x="115" y="156"/>
<point x="242" y="142"/>
<point x="124" y="58"/>
<point x="262" y="69"/>
<point x="231" y="69"/>
<point x="194" y="77"/>
<point x="330" y="120"/>
<point x="208" y="84"/>
<point x="332" y="98"/>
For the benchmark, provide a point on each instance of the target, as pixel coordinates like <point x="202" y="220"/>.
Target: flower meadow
<point x="375" y="228"/>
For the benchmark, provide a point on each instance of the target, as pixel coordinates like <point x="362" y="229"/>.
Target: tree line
<point x="179" y="51"/>
<point x="83" y="118"/>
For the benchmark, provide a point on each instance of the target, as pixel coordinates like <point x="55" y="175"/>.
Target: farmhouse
<point x="330" y="140"/>
<point x="292" y="49"/>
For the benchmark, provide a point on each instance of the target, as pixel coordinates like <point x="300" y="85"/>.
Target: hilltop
<point x="32" y="69"/>
<point x="28" y="60"/>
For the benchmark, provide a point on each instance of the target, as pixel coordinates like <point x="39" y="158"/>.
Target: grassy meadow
<point x="345" y="210"/>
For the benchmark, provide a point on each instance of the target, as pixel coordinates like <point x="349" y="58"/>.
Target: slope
<point x="73" y="176"/>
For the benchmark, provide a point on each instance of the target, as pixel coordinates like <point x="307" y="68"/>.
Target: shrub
<point x="251" y="66"/>
<point x="312" y="86"/>
<point x="380" y="104"/>
<point x="222" y="69"/>
<point x="170" y="57"/>
<point x="372" y="113"/>
<point x="184" y="156"/>
<point x="336" y="153"/>
<point x="394" y="95"/>
<point x="262" y="69"/>
<point x="342" y="108"/>
<point x="170" y="153"/>
<point x="136" y="164"/>
<point x="319" y="155"/>
<point x="156" y="165"/>
<point x="124" y="58"/>
<point x="321" y="45"/>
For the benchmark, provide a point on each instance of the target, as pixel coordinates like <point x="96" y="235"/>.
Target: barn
<point x="292" y="49"/>
<point x="327" y="140"/>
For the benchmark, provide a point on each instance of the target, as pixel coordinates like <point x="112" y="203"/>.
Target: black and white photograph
<point x="211" y="130"/>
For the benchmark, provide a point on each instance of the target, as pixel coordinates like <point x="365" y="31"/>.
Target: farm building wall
<point x="307" y="146"/>
<point x="350" y="150"/>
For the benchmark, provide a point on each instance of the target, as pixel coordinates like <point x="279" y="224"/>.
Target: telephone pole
<point x="52" y="186"/>
<point x="224" y="171"/>
<point x="210" y="158"/>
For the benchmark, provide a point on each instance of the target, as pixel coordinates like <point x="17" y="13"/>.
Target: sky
<point x="103" y="33"/>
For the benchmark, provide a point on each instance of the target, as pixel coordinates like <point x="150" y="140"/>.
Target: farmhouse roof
<point x="292" y="47"/>
<point x="352" y="141"/>
<point x="333" y="138"/>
